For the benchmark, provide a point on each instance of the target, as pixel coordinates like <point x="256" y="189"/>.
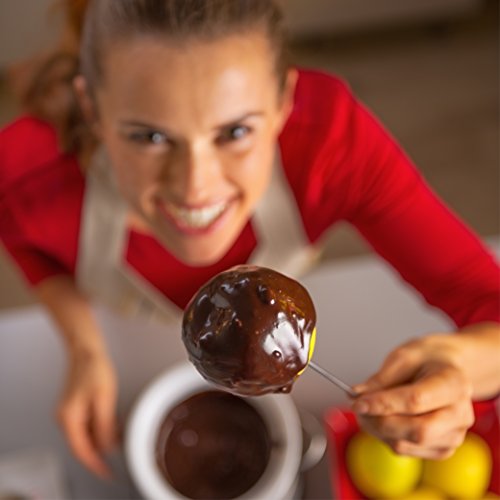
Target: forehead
<point x="153" y="76"/>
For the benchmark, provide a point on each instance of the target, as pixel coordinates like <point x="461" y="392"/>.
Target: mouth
<point x="193" y="220"/>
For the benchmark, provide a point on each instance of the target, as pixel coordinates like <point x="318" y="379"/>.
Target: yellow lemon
<point x="424" y="493"/>
<point x="466" y="474"/>
<point x="377" y="471"/>
<point x="489" y="495"/>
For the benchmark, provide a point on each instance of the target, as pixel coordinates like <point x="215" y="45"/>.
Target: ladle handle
<point x="332" y="378"/>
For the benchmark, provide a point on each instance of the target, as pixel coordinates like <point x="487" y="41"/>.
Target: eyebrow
<point x="239" y="119"/>
<point x="149" y="126"/>
<point x="136" y="123"/>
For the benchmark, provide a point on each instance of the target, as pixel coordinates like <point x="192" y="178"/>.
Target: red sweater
<point x="340" y="164"/>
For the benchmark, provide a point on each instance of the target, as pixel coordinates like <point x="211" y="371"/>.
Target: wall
<point x="312" y="17"/>
<point x="27" y="26"/>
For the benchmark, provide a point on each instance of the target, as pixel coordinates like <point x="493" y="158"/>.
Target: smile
<point x="195" y="219"/>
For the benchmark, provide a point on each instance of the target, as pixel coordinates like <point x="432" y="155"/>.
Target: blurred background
<point x="427" y="68"/>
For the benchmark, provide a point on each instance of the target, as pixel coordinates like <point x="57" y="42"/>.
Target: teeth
<point x="197" y="217"/>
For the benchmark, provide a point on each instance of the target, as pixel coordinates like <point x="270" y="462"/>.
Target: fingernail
<point x="361" y="407"/>
<point x="360" y="388"/>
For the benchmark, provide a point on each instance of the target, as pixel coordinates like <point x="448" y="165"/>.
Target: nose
<point x="193" y="175"/>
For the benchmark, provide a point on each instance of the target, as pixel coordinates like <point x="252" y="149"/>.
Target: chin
<point x="200" y="259"/>
<point x="198" y="255"/>
<point x="202" y="249"/>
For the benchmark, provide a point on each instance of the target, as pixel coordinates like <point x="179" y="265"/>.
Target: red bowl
<point x="341" y="425"/>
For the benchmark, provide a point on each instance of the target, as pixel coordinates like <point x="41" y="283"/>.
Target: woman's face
<point x="191" y="133"/>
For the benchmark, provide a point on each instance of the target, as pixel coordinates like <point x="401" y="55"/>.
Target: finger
<point x="104" y="421"/>
<point x="399" y="367"/>
<point x="437" y="389"/>
<point x="423" y="430"/>
<point x="75" y="423"/>
<point x="443" y="448"/>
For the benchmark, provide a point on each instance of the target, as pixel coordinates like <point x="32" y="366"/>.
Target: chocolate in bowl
<point x="250" y="330"/>
<point x="213" y="445"/>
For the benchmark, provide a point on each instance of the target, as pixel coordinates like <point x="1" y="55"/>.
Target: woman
<point x="201" y="148"/>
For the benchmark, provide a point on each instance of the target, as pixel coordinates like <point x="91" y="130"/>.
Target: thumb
<point x="399" y="367"/>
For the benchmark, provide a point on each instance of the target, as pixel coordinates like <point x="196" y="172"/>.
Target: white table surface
<point x="364" y="310"/>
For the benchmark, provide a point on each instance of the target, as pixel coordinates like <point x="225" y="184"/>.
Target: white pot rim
<point x="177" y="384"/>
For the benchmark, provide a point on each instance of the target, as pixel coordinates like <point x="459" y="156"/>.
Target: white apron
<point x="104" y="273"/>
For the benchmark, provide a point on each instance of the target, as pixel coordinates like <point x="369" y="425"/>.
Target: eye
<point x="234" y="133"/>
<point x="148" y="137"/>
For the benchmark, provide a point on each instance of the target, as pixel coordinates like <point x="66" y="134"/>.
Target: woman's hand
<point x="86" y="411"/>
<point x="420" y="401"/>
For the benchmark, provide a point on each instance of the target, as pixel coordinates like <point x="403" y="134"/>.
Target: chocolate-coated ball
<point x="249" y="330"/>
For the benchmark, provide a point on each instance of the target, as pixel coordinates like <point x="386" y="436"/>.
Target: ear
<point x="287" y="97"/>
<point x="86" y="102"/>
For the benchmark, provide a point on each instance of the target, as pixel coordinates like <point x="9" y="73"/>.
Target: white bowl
<point x="280" y="478"/>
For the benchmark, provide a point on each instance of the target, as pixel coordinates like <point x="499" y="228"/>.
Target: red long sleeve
<point x="356" y="172"/>
<point x="340" y="165"/>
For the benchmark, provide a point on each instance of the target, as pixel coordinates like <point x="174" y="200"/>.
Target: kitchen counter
<point x="363" y="312"/>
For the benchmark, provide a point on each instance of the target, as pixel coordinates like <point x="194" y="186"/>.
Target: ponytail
<point x="44" y="85"/>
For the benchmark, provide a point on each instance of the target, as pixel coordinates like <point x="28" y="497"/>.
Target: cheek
<point x="254" y="173"/>
<point x="136" y="173"/>
<point x="250" y="181"/>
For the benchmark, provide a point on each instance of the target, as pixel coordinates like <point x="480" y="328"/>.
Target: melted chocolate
<point x="249" y="330"/>
<point x="213" y="445"/>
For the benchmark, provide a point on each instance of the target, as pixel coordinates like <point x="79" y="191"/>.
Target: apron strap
<point x="102" y="236"/>
<point x="283" y="243"/>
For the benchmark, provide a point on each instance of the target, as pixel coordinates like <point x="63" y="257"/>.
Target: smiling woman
<point x="180" y="143"/>
<point x="191" y="141"/>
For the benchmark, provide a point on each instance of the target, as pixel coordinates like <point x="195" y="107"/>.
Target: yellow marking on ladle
<point x="312" y="345"/>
